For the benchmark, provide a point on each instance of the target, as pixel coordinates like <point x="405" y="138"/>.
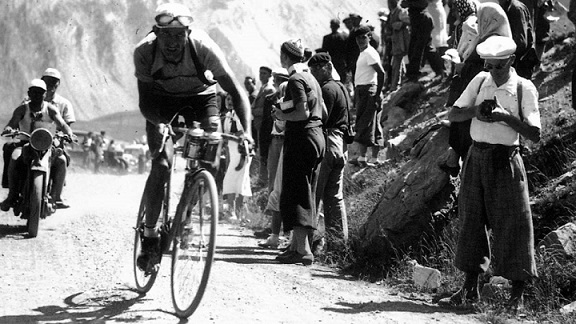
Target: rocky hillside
<point x="91" y="42"/>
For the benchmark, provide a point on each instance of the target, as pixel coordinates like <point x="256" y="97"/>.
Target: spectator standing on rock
<point x="335" y="44"/>
<point x="522" y="27"/>
<point x="304" y="144"/>
<point x="330" y="189"/>
<point x="369" y="80"/>
<point x="398" y="33"/>
<point x="494" y="188"/>
<point x="421" y="26"/>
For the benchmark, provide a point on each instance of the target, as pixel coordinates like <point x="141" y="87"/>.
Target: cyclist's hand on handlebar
<point x="165" y="129"/>
<point x="7" y="130"/>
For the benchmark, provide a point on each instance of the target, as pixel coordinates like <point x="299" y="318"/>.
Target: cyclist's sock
<point x="150" y="231"/>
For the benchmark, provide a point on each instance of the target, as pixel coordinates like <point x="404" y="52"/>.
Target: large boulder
<point x="408" y="205"/>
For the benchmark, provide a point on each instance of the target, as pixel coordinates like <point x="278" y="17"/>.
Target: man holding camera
<point x="494" y="189"/>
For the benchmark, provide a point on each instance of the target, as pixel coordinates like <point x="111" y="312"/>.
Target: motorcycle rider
<point x="59" y="167"/>
<point x="35" y="113"/>
<point x="172" y="65"/>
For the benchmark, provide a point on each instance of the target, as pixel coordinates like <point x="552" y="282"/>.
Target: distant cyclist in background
<point x="174" y="67"/>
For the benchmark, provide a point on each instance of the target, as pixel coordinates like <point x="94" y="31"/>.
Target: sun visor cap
<point x="37" y="83"/>
<point x="51" y="72"/>
<point x="173" y="15"/>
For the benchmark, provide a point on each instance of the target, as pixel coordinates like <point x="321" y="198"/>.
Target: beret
<point x="319" y="59"/>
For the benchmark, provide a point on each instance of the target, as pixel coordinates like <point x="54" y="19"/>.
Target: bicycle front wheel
<point x="194" y="242"/>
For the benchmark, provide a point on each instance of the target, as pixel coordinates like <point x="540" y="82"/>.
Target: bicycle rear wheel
<point x="144" y="280"/>
<point x="194" y="242"/>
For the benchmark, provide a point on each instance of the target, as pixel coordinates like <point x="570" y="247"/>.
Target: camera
<point x="487" y="106"/>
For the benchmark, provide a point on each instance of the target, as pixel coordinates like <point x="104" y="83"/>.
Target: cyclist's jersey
<point x="180" y="79"/>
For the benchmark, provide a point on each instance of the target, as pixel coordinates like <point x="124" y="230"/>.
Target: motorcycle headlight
<point x="41" y="139"/>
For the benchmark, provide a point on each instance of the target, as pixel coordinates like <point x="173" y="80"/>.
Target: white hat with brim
<point x="496" y="48"/>
<point x="174" y="10"/>
<point x="52" y="72"/>
<point x="37" y="83"/>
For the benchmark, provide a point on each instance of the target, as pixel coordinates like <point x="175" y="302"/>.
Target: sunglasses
<point x="165" y="20"/>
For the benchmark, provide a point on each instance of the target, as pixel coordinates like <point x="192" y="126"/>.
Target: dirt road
<point x="79" y="270"/>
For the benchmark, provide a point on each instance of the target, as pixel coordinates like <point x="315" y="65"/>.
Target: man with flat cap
<point x="494" y="189"/>
<point x="260" y="132"/>
<point x="330" y="189"/>
<point x="335" y="44"/>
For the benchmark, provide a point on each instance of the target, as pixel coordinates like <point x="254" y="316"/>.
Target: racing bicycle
<point x="190" y="232"/>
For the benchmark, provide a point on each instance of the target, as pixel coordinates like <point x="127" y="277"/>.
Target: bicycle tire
<point x="197" y="213"/>
<point x="143" y="281"/>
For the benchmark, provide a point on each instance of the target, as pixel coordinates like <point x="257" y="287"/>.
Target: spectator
<point x="257" y="114"/>
<point x="369" y="81"/>
<point x="421" y="26"/>
<point x="399" y="35"/>
<point x="492" y="21"/>
<point x="274" y="160"/>
<point x="439" y="36"/>
<point x="335" y="44"/>
<point x="304" y="145"/>
<point x="494" y="188"/>
<point x="236" y="183"/>
<point x="250" y="86"/>
<point x="352" y="51"/>
<point x="330" y="188"/>
<point x="522" y="27"/>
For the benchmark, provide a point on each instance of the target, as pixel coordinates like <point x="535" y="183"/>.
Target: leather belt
<point x="483" y="145"/>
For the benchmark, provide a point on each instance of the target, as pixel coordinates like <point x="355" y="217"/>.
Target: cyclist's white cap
<point x="52" y="72"/>
<point x="37" y="83"/>
<point x="174" y="10"/>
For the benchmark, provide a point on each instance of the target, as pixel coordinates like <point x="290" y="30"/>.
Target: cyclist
<point x="28" y="116"/>
<point x="175" y="65"/>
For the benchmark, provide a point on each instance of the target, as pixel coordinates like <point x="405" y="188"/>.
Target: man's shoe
<point x="263" y="234"/>
<point x="270" y="243"/>
<point x="61" y="205"/>
<point x="150" y="254"/>
<point x="460" y="298"/>
<point x="296" y="257"/>
<point x="7" y="204"/>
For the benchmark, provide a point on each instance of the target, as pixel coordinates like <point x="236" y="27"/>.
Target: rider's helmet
<point x="173" y="15"/>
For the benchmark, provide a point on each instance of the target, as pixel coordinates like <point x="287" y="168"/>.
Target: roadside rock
<point x="562" y="241"/>
<point x="405" y="211"/>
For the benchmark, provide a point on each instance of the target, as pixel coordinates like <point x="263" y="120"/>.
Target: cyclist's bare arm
<point x="240" y="99"/>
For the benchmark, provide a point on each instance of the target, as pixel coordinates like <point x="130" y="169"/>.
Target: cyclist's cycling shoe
<point x="150" y="255"/>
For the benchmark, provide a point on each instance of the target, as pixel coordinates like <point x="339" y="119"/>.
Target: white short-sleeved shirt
<point x="365" y="73"/>
<point x="64" y="107"/>
<point x="482" y="87"/>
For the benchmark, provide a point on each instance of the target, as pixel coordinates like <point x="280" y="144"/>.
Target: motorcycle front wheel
<point x="35" y="195"/>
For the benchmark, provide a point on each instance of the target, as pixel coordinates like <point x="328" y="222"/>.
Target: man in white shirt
<point x="494" y="189"/>
<point x="369" y="80"/>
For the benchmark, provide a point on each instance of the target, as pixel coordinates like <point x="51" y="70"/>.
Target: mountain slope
<point x="91" y="42"/>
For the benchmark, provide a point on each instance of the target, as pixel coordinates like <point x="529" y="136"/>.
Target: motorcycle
<point x="34" y="202"/>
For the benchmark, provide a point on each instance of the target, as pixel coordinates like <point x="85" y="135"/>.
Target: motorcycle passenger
<point x="59" y="166"/>
<point x="172" y="63"/>
<point x="35" y="113"/>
